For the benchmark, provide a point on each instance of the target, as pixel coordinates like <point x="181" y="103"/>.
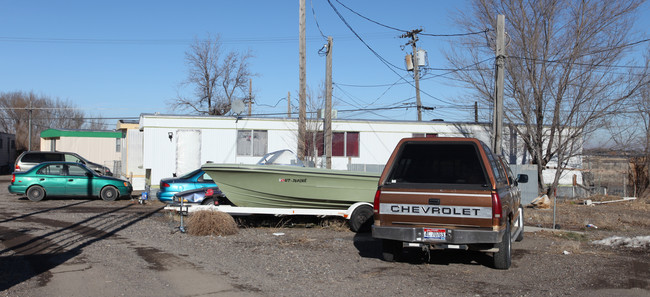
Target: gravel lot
<point x="88" y="247"/>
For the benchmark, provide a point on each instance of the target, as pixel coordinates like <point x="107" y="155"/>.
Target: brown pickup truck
<point x="448" y="193"/>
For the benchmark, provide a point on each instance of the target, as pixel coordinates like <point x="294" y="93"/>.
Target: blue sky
<point x="119" y="59"/>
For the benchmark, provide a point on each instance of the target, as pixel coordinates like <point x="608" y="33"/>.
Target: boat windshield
<point x="281" y="157"/>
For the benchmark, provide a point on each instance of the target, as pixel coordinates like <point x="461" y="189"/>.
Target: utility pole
<point x="288" y="104"/>
<point x="29" y="124"/>
<point x="302" y="114"/>
<point x="328" y="105"/>
<point x="497" y="120"/>
<point x="414" y="38"/>
<point x="250" y="96"/>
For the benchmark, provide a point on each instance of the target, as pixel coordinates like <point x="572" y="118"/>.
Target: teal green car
<point x="67" y="179"/>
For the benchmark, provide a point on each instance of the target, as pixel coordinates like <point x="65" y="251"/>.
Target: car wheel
<point x="502" y="258"/>
<point x="520" y="237"/>
<point x="36" y="193"/>
<point x="109" y="193"/>
<point x="361" y="219"/>
<point x="209" y="201"/>
<point x="391" y="250"/>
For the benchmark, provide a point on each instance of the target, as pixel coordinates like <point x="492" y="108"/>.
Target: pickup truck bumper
<point x="453" y="236"/>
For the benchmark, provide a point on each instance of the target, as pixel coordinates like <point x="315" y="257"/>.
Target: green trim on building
<point x="53" y="133"/>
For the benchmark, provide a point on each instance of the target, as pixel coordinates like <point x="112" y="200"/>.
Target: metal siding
<point x="528" y="190"/>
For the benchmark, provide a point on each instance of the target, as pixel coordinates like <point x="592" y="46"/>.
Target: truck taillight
<point x="17" y="168"/>
<point x="496" y="209"/>
<point x="375" y="205"/>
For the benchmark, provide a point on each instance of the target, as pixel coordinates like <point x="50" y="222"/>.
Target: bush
<point x="207" y="222"/>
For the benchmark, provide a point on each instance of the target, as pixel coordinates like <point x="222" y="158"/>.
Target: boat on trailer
<point x="290" y="185"/>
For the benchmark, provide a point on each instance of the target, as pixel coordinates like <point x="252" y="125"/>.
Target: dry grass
<point x="206" y="222"/>
<point x="630" y="217"/>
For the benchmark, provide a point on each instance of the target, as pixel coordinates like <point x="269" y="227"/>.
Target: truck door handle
<point x="434" y="201"/>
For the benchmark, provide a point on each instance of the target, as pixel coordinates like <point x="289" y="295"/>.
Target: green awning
<point x="53" y="133"/>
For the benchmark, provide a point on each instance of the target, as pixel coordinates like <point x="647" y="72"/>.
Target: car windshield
<point x="190" y="174"/>
<point x="281" y="157"/>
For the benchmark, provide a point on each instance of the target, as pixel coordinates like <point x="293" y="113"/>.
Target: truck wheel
<point x="109" y="193"/>
<point x="502" y="258"/>
<point x="520" y="237"/>
<point x="361" y="219"/>
<point x="391" y="250"/>
<point x="36" y="193"/>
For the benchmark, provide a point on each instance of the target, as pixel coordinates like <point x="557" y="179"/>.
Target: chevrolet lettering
<point x="432" y="210"/>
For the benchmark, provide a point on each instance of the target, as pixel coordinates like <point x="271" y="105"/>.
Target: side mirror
<point x="522" y="178"/>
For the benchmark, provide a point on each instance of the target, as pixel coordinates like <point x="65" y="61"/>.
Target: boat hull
<point x="292" y="187"/>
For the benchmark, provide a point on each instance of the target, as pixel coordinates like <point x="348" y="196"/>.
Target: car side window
<point x="48" y="157"/>
<point x="54" y="169"/>
<point x="75" y="170"/>
<point x="206" y="177"/>
<point x="71" y="158"/>
<point x="32" y="158"/>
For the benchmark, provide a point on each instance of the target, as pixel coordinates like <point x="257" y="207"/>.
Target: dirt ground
<point x="88" y="247"/>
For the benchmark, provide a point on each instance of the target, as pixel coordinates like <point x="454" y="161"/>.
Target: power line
<point x="457" y="34"/>
<point x="375" y="22"/>
<point x="363" y="41"/>
<point x="402" y="30"/>
<point x="313" y="12"/>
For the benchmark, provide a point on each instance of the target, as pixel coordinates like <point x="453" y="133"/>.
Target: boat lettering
<point x="293" y="180"/>
<point x="435" y="210"/>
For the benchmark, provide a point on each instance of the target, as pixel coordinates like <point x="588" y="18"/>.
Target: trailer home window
<point x="252" y="142"/>
<point x="344" y="144"/>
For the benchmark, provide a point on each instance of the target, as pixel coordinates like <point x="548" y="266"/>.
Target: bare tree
<point x="46" y="113"/>
<point x="217" y="79"/>
<point x="563" y="69"/>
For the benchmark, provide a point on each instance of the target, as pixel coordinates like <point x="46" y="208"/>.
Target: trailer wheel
<point x="361" y="219"/>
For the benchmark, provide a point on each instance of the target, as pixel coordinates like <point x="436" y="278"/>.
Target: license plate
<point x="435" y="234"/>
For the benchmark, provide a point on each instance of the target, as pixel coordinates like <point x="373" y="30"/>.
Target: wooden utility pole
<point x="328" y="105"/>
<point x="497" y="120"/>
<point x="288" y="104"/>
<point x="250" y="96"/>
<point x="416" y="75"/>
<point x="302" y="113"/>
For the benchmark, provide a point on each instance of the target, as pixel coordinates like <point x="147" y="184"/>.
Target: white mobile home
<point x="174" y="144"/>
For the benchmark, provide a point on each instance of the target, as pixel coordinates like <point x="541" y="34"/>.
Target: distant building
<point x="7" y="152"/>
<point x="100" y="146"/>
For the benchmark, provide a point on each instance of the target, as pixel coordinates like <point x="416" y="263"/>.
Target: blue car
<point x="194" y="180"/>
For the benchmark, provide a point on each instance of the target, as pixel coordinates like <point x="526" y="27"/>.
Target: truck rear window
<point x="438" y="163"/>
